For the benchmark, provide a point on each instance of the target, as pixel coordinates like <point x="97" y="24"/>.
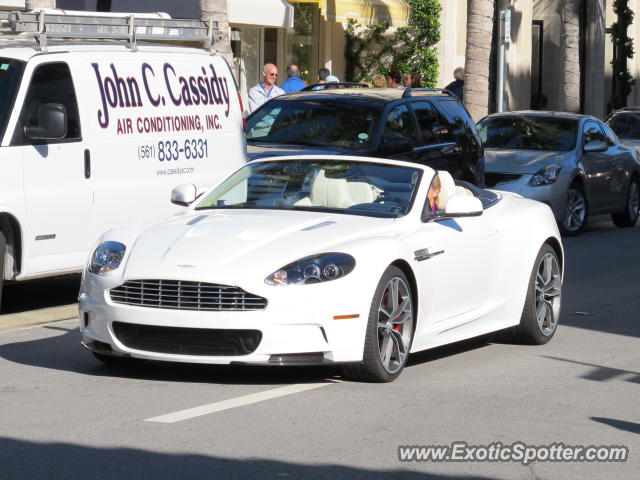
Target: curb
<point x="15" y="321"/>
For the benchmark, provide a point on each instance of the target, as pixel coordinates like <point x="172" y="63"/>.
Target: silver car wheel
<point x="395" y="324"/>
<point x="576" y="210"/>
<point x="548" y="285"/>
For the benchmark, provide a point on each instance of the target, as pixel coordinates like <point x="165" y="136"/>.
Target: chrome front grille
<point x="185" y="295"/>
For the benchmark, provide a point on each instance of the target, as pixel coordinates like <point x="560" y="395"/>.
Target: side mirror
<point x="52" y="123"/>
<point x="460" y="205"/>
<point x="184" y="194"/>
<point x="595" y="146"/>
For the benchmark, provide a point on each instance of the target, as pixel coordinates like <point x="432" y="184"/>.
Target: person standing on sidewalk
<point x="293" y="83"/>
<point x="457" y="86"/>
<point x="265" y="90"/>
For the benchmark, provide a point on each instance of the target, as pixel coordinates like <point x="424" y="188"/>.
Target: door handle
<point x="87" y="164"/>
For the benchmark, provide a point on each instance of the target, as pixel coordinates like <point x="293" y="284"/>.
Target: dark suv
<point x="425" y="126"/>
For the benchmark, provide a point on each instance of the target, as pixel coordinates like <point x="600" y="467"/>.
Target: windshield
<point x="626" y="125"/>
<point x="10" y="75"/>
<point x="529" y="133"/>
<point x="336" y="186"/>
<point x="333" y="123"/>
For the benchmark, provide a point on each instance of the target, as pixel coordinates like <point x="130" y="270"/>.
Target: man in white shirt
<point x="266" y="89"/>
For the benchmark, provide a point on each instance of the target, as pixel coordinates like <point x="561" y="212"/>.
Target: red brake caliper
<point x="397" y="328"/>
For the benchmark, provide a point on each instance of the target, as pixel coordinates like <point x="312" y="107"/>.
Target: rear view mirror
<point x="184" y="194"/>
<point x="52" y="123"/>
<point x="595" y="146"/>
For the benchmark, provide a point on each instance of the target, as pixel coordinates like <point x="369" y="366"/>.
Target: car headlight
<point x="313" y="269"/>
<point x="545" y="176"/>
<point x="106" y="258"/>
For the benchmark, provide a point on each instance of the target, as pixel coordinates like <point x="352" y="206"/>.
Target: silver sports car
<point x="573" y="163"/>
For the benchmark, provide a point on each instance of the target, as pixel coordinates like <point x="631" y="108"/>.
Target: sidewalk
<point x="15" y="321"/>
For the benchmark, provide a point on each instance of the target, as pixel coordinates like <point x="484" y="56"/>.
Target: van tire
<point x="3" y="249"/>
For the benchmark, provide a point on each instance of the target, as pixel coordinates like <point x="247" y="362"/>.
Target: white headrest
<point x="447" y="188"/>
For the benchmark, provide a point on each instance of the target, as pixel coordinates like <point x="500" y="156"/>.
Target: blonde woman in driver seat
<point x="433" y="193"/>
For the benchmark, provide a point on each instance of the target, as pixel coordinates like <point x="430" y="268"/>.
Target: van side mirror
<point x="184" y="195"/>
<point x="595" y="146"/>
<point x="52" y="123"/>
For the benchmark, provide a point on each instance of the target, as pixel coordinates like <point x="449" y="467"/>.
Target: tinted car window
<point x="51" y="83"/>
<point x="529" y="132"/>
<point x="611" y="137"/>
<point x="592" y="133"/>
<point x="399" y="127"/>
<point x="626" y="125"/>
<point x="433" y="129"/>
<point x="311" y="122"/>
<point x="462" y="128"/>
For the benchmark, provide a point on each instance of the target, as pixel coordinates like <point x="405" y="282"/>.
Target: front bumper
<point x="299" y="331"/>
<point x="554" y="194"/>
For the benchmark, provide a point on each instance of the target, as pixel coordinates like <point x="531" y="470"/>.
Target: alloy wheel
<point x="548" y="284"/>
<point x="576" y="210"/>
<point x="395" y="324"/>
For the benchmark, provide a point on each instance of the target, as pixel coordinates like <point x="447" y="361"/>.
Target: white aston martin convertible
<point x="324" y="260"/>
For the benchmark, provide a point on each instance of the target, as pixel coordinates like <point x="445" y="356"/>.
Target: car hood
<point x="521" y="161"/>
<point x="223" y="245"/>
<point x="262" y="150"/>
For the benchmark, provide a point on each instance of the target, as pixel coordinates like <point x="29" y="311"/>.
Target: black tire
<point x="113" y="360"/>
<point x="629" y="216"/>
<point x="372" y="368"/>
<point x="576" y="211"/>
<point x="530" y="330"/>
<point x="3" y="248"/>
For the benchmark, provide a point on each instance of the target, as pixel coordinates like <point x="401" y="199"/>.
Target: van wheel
<point x="3" y="249"/>
<point x="629" y="216"/>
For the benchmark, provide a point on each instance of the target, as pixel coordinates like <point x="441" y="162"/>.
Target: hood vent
<point x="193" y="221"/>
<point x="318" y="225"/>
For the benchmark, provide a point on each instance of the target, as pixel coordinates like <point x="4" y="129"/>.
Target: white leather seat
<point x="464" y="191"/>
<point x="447" y="189"/>
<point x="338" y="193"/>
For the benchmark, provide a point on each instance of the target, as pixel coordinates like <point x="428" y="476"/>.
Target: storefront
<point x="310" y="34"/>
<point x="257" y="28"/>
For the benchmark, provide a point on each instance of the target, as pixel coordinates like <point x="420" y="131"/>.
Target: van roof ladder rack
<point x="43" y="25"/>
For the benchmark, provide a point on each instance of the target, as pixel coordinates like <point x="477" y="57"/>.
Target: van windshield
<point x="10" y="75"/>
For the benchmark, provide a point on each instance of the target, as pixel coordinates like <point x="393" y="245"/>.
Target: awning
<point x="366" y="12"/>
<point x="260" y="13"/>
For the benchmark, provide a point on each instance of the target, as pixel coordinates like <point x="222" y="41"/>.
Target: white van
<point x="95" y="134"/>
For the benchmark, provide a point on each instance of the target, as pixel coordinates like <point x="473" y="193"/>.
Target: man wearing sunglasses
<point x="266" y="89"/>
